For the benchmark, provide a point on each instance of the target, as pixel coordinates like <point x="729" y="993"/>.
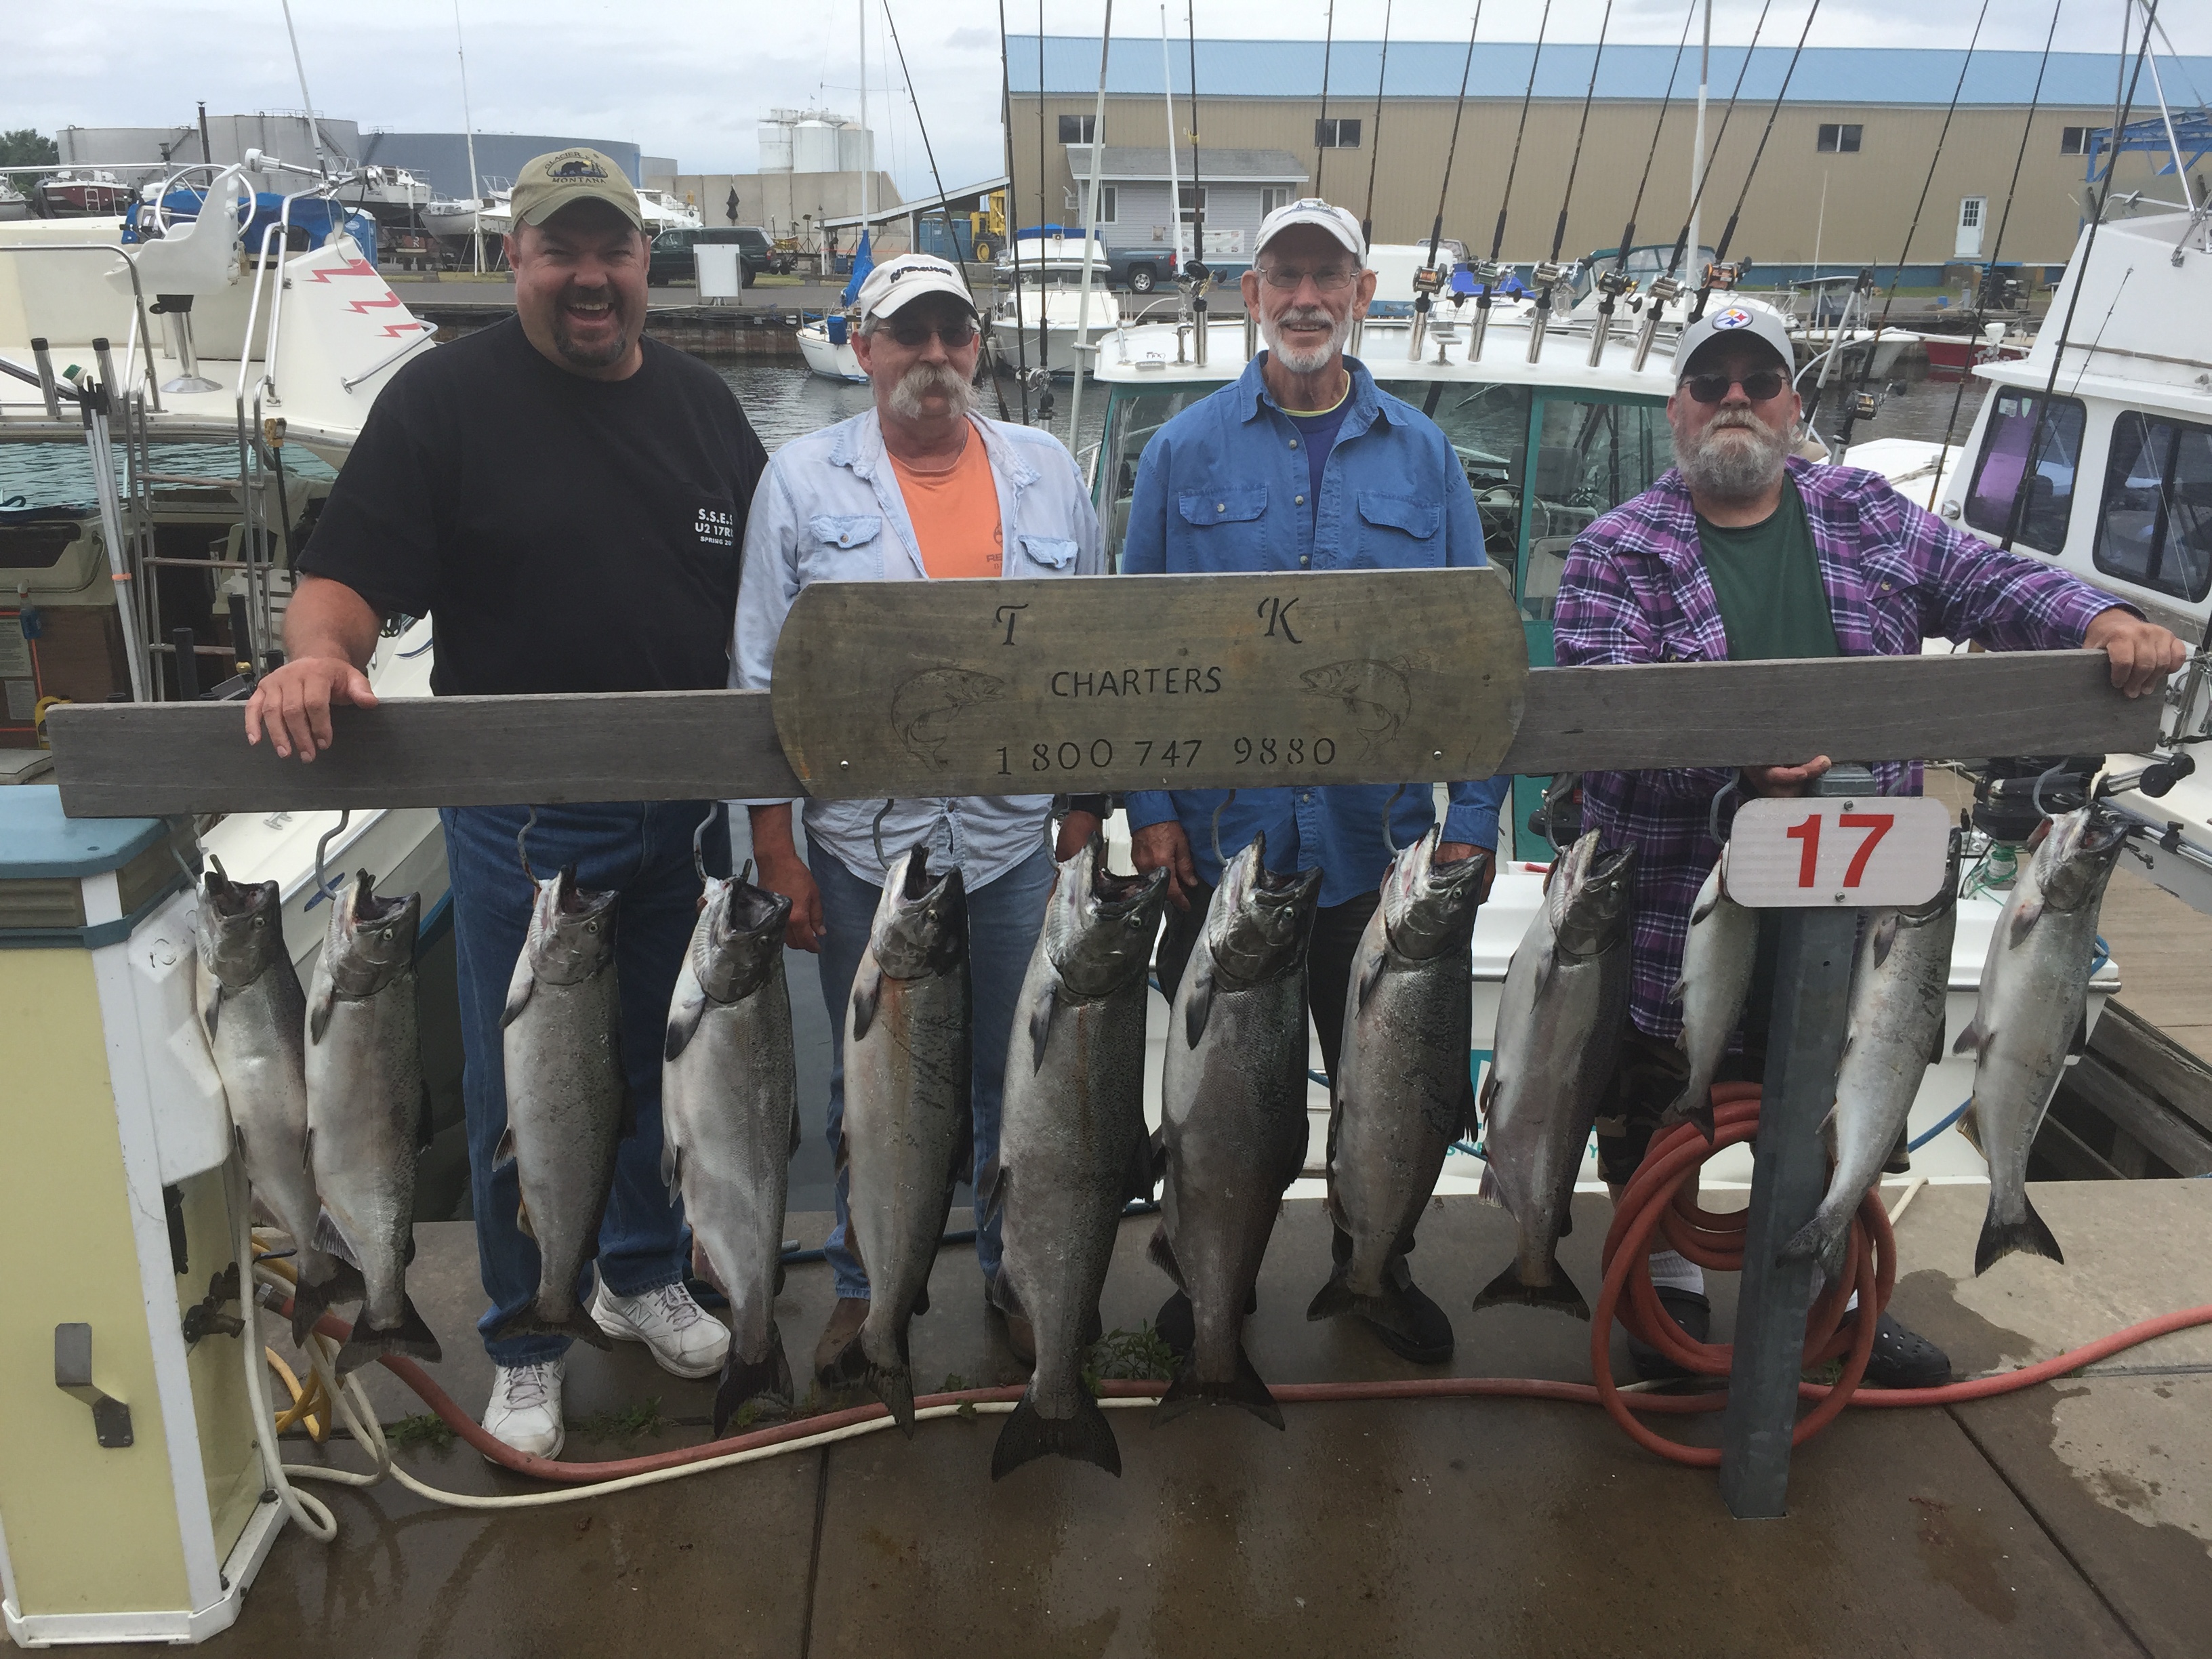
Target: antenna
<point x="1375" y="138"/>
<point x="1013" y="212"/>
<point x="1321" y="125"/>
<point x="1201" y="277"/>
<point x="314" y="133"/>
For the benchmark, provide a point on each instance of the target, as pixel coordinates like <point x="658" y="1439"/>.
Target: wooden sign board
<point x="980" y="688"/>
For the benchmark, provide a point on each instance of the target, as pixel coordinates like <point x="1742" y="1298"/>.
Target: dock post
<point x="1789" y="1173"/>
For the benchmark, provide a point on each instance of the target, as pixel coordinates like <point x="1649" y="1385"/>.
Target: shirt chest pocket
<point x="842" y="547"/>
<point x="1394" y="531"/>
<point x="1892" y="605"/>
<point x="1044" y="555"/>
<point x="1231" y="526"/>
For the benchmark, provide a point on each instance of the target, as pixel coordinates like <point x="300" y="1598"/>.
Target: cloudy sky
<point x="689" y="78"/>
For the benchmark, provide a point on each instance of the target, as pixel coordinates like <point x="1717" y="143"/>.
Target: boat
<point x="2110" y="480"/>
<point x="1043" y="295"/>
<point x="452" y="218"/>
<point x="71" y="195"/>
<point x="393" y="195"/>
<point x="663" y="211"/>
<point x="220" y="436"/>
<point x="1954" y="355"/>
<point x="14" y="205"/>
<point x="826" y="342"/>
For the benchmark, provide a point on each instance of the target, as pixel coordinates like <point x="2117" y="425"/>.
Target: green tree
<point x="27" y="147"/>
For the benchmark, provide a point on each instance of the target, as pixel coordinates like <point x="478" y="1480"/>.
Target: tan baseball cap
<point x="549" y="183"/>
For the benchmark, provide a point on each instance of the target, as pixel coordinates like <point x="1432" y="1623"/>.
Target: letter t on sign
<point x="1010" y="614"/>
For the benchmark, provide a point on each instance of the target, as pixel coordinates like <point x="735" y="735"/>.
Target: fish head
<point x="2076" y="859"/>
<point x="965" y="685"/>
<point x="1429" y="908"/>
<point x="1330" y="679"/>
<point x="372" y="938"/>
<point x="1099" y="925"/>
<point x="572" y="930"/>
<point x="241" y="927"/>
<point x="1257" y="924"/>
<point x="921" y="924"/>
<point x="742" y="939"/>
<point x="1588" y="898"/>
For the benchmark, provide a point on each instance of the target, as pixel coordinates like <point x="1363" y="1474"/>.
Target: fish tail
<point x="311" y="1302"/>
<point x="1693" y="1105"/>
<point x="533" y="1321"/>
<point x="2001" y="1238"/>
<point x="1246" y="1389"/>
<point x="1510" y="1288"/>
<point x="766" y="1380"/>
<point x="1336" y="1299"/>
<point x="411" y="1338"/>
<point x="1029" y="1435"/>
<point x="894" y="1386"/>
<point x="1823" y="1240"/>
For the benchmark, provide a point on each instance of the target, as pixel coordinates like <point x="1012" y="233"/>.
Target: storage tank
<point x="814" y="148"/>
<point x="856" y="149"/>
<point x="775" y="147"/>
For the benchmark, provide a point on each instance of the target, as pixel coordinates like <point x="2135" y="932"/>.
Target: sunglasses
<point x="913" y="335"/>
<point x="1711" y="388"/>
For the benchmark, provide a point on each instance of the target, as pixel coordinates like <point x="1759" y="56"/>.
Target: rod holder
<point x="176" y="311"/>
<point x="42" y="356"/>
<point x="105" y="359"/>
<point x="111" y="1418"/>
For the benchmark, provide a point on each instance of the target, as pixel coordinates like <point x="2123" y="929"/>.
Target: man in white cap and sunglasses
<point x="1744" y="551"/>
<point x="1304" y="464"/>
<point x="921" y="488"/>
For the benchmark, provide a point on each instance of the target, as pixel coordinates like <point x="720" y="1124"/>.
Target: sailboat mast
<point x="469" y="133"/>
<point x="867" y="162"/>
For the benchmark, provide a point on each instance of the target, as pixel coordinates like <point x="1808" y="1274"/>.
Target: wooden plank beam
<point x="2156" y="1062"/>
<point x="132" y="759"/>
<point x="2165" y="1132"/>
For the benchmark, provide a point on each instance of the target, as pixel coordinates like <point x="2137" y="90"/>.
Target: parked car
<point x="669" y="259"/>
<point x="1140" y="269"/>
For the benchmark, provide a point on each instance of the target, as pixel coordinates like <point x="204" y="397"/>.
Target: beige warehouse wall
<point x="1869" y="195"/>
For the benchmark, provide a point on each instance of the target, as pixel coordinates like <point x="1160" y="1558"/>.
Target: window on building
<point x="1106" y="204"/>
<point x="1835" y="139"/>
<point x="1077" y="129"/>
<point x="2073" y="140"/>
<point x="2028" y="439"/>
<point x="1331" y="133"/>
<point x="1272" y="196"/>
<point x="1192" y="200"/>
<point x="2156" y="527"/>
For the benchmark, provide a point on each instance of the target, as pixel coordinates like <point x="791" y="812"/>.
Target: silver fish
<point x="1893" y="1033"/>
<point x="909" y="1133"/>
<point x="1559" y="1024"/>
<point x="568" y="1097"/>
<point x="729" y="1105"/>
<point x="1716" y="963"/>
<point x="1073" y="1147"/>
<point x="255" y="1018"/>
<point x="364" y="1077"/>
<point x="1402" y="1088"/>
<point x="1233" y="1116"/>
<point x="2032" y="1013"/>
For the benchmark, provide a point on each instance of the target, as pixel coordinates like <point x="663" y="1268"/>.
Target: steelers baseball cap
<point x="549" y="183"/>
<point x="1312" y="210"/>
<point x="897" y="282"/>
<point x="1727" y="318"/>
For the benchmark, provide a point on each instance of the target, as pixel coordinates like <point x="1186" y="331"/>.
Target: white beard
<point x="1727" y="467"/>
<point x="1305" y="361"/>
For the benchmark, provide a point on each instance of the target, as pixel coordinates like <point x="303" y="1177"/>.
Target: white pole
<point x="1089" y="238"/>
<point x="469" y="132"/>
<point x="1820" y="224"/>
<point x="867" y="162"/>
<point x="314" y="133"/>
<point x="1698" y="159"/>
<point x="1175" y="183"/>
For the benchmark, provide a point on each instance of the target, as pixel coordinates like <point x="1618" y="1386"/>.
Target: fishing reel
<point x="1194" y="278"/>
<point x="1613" y="283"/>
<point x="1429" y="279"/>
<point x="1488" y="274"/>
<point x="1723" y="277"/>
<point x="1663" y="291"/>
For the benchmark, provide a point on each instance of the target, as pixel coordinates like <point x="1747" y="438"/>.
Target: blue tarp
<point x="864" y="261"/>
<point x="318" y="217"/>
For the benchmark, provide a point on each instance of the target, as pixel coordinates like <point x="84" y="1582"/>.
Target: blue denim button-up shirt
<point x="1223" y="487"/>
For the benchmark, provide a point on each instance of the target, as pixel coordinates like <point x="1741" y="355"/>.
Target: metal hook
<point x="522" y="845"/>
<point x="1389" y="844"/>
<point x="345" y="817"/>
<point x="699" y="840"/>
<point x="746" y="875"/>
<point x="876" y="829"/>
<point x="1713" y="816"/>
<point x="2037" y="796"/>
<point x="1218" y="811"/>
<point x="1559" y="788"/>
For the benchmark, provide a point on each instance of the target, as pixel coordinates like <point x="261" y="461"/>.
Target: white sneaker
<point x="686" y="1340"/>
<point x="524" y="1412"/>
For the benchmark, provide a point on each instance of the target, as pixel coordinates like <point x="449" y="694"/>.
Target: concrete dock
<point x="2069" y="1519"/>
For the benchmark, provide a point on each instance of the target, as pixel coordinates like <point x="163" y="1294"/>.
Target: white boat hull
<point x="1014" y="343"/>
<point x="836" y="362"/>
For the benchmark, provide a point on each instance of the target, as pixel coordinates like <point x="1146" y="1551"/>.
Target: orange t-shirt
<point x="951" y="510"/>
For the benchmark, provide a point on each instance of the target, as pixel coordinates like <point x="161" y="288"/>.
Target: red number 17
<point x="1878" y="824"/>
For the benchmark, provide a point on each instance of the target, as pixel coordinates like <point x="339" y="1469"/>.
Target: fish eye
<point x="591" y="927"/>
<point x="383" y="933"/>
<point x="261" y="921"/>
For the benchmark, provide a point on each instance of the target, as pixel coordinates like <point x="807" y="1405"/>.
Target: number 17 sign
<point x="1818" y="851"/>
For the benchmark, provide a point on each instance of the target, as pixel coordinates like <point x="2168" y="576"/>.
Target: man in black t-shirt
<point x="567" y="499"/>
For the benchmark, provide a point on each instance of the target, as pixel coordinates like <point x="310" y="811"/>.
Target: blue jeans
<point x="1004" y="918"/>
<point x="643" y="849"/>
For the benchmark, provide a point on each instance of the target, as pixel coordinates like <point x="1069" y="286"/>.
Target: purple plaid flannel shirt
<point x="1635" y="590"/>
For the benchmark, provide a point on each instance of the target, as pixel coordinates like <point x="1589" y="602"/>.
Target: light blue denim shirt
<point x="1222" y="486"/>
<point x="829" y="509"/>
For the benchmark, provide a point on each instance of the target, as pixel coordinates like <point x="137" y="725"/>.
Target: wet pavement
<point x="2071" y="1519"/>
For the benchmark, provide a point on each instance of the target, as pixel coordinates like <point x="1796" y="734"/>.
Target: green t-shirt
<point x="1766" y="578"/>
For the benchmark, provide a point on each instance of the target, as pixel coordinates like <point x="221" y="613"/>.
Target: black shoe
<point x="1430" y="1343"/>
<point x="1904" y="1359"/>
<point x="1694" y="1313"/>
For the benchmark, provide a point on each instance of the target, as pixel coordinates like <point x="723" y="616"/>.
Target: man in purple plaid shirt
<point x="1743" y="552"/>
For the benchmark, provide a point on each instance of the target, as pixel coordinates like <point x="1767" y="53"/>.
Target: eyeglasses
<point x="915" y="336"/>
<point x="1329" y="279"/>
<point x="1711" y="388"/>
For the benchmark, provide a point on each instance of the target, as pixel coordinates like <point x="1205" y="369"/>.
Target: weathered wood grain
<point x="1849" y="708"/>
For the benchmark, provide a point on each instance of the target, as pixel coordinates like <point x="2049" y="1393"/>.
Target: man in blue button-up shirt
<point x="1303" y="464"/>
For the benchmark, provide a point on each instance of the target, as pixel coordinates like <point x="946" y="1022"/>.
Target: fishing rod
<point x="1612" y="283"/>
<point x="1862" y="399"/>
<point x="1428" y="279"/>
<point x="1374" y="155"/>
<point x="1665" y="288"/>
<point x="1013" y="213"/>
<point x="1488" y="273"/>
<point x="1728" y="233"/>
<point x="1958" y="396"/>
<point x="2077" y="273"/>
<point x="1043" y="368"/>
<point x="1321" y="126"/>
<point x="1198" y="276"/>
<point x="1550" y="273"/>
<point x="952" y="224"/>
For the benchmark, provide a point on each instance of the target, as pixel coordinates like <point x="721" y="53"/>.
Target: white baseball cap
<point x="1312" y="210"/>
<point x="1729" y="317"/>
<point x="896" y="282"/>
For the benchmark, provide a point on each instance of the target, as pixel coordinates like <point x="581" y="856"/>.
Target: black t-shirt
<point x="565" y="534"/>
